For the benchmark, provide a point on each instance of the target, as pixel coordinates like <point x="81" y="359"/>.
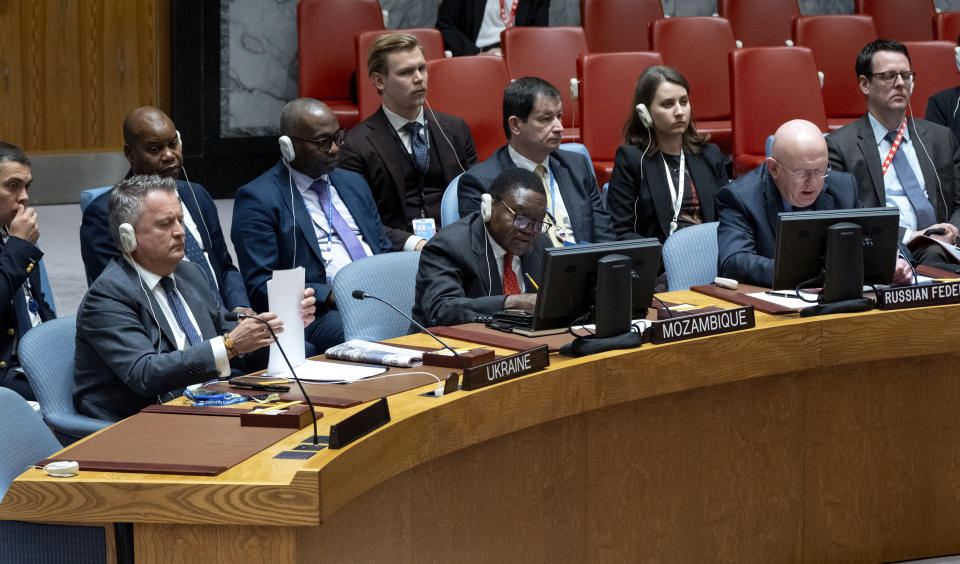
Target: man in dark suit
<point x="305" y="212"/>
<point x="531" y="122"/>
<point x="910" y="164"/>
<point x="151" y="144"/>
<point x="150" y="324"/>
<point x="943" y="107"/>
<point x="483" y="263"/>
<point x="470" y="27"/>
<point x="407" y="154"/>
<point x="23" y="304"/>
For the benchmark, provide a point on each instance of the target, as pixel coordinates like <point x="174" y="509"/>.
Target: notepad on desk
<point x="323" y="371"/>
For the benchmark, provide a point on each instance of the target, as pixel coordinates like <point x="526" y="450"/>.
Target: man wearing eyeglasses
<point x="306" y="212"/>
<point x="898" y="161"/>
<point x="488" y="261"/>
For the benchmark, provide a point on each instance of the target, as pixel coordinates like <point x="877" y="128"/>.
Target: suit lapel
<point x="283" y="183"/>
<point x="148" y="302"/>
<point x="189" y="200"/>
<point x="868" y="149"/>
<point x="348" y="191"/>
<point x="449" y="165"/>
<point x="930" y="178"/>
<point x="198" y="298"/>
<point x="483" y="255"/>
<point x="659" y="192"/>
<point x="394" y="156"/>
<point x="533" y="261"/>
<point x="772" y="201"/>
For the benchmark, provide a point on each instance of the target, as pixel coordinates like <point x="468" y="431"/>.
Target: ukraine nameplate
<point x="919" y="296"/>
<point x="701" y="325"/>
<point x="506" y="368"/>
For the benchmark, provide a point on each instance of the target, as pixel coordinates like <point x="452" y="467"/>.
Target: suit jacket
<point x="942" y="109"/>
<point x="853" y="149"/>
<point x="459" y="21"/>
<point x="374" y="150"/>
<point x="748" y="209"/>
<point x="269" y="236"/>
<point x="575" y="181"/>
<point x="458" y="278"/>
<point x="640" y="202"/>
<point x="127" y="357"/>
<point x="98" y="249"/>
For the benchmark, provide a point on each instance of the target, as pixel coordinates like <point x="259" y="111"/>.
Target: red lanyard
<point x="894" y="147"/>
<point x="513" y="13"/>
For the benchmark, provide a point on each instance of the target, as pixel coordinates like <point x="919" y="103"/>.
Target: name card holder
<point x="939" y="293"/>
<point x="359" y="424"/>
<point x="506" y="368"/>
<point x="701" y="325"/>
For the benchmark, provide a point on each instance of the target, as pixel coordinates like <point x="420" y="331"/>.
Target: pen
<point x="780" y="294"/>
<point x="530" y="278"/>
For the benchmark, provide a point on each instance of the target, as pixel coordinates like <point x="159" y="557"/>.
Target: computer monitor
<point x="803" y="253"/>
<point x="569" y="281"/>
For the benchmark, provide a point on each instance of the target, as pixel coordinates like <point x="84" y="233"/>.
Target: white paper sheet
<point x="323" y="371"/>
<point x="285" y="292"/>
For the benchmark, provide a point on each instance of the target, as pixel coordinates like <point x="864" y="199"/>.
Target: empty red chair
<point x="471" y="88"/>
<point x="607" y="83"/>
<point x="368" y="99"/>
<point x="551" y="54"/>
<point x="946" y="26"/>
<point x="770" y="86"/>
<point x="325" y="30"/>
<point x="703" y="62"/>
<point x="759" y="22"/>
<point x="835" y="41"/>
<point x="618" y="25"/>
<point x="903" y="20"/>
<point x="936" y="67"/>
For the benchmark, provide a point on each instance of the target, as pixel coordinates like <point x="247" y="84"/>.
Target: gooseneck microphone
<point x="234" y="316"/>
<point x="361" y="295"/>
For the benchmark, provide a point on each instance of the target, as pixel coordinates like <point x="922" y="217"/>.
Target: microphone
<point x="234" y="316"/>
<point x="361" y="295"/>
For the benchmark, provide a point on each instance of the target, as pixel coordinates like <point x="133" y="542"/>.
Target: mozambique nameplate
<point x="701" y="325"/>
<point x="941" y="293"/>
<point x="506" y="368"/>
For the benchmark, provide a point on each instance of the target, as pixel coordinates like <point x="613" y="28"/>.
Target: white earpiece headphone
<point x="956" y="54"/>
<point x="179" y="140"/>
<point x="286" y="148"/>
<point x="644" y="114"/>
<point x="912" y="84"/>
<point x="486" y="207"/>
<point x="128" y="240"/>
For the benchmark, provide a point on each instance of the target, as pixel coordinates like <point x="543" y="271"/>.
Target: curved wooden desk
<point x="802" y="440"/>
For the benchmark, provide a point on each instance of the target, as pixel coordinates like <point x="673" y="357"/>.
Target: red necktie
<point x="510" y="284"/>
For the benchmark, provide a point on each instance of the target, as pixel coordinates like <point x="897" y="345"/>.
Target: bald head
<point x="312" y="128"/>
<point x="139" y="119"/>
<point x="798" y="137"/>
<point x="297" y="112"/>
<point x="798" y="162"/>
<point x="150" y="143"/>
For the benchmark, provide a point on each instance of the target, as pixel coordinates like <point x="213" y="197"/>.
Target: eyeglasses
<point x="808" y="174"/>
<point x="525" y="223"/>
<point x="889" y="76"/>
<point x="324" y="143"/>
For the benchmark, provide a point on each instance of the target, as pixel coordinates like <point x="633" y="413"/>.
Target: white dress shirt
<point x="491" y="25"/>
<point x="397" y="122"/>
<point x="558" y="210"/>
<point x="498" y="253"/>
<point x="896" y="196"/>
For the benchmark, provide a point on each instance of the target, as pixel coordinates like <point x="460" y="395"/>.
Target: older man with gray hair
<point x="150" y="324"/>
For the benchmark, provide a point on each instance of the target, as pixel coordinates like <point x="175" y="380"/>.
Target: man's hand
<point x="250" y="334"/>
<point x="308" y="307"/>
<point x="520" y="301"/>
<point x="244" y="311"/>
<point x="949" y="235"/>
<point x="902" y="273"/>
<point x="24" y="225"/>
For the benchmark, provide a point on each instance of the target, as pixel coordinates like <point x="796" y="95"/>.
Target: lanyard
<point x="513" y="13"/>
<point x="894" y="147"/>
<point x="327" y="255"/>
<point x="677" y="197"/>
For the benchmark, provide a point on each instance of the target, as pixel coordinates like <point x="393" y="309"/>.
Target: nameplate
<point x="359" y="424"/>
<point x="702" y="325"/>
<point x="506" y="368"/>
<point x="941" y="293"/>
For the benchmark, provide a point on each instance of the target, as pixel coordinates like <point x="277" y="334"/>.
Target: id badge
<point x="424" y="227"/>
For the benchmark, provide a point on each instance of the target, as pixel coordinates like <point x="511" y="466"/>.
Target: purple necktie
<point x="340" y="227"/>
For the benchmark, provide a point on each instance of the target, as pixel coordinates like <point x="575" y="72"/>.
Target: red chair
<point x="903" y="20"/>
<point x="703" y="61"/>
<point x="618" y="25"/>
<point x="835" y="42"/>
<point x="770" y="86"/>
<point x="760" y="22"/>
<point x="936" y="68"/>
<point x="325" y="30"/>
<point x="946" y="26"/>
<point x="607" y="83"/>
<point x="551" y="54"/>
<point x="368" y="100"/>
<point x="471" y="88"/>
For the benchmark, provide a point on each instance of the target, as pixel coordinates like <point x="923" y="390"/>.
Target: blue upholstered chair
<point x="391" y="277"/>
<point x="25" y="440"/>
<point x="690" y="256"/>
<point x="46" y="354"/>
<point x="90" y="195"/>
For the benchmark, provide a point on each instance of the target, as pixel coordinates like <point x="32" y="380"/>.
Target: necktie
<point x="421" y="153"/>
<point x="340" y="227"/>
<point x="195" y="255"/>
<point x="541" y="171"/>
<point x="510" y="284"/>
<point x="925" y="214"/>
<point x="179" y="311"/>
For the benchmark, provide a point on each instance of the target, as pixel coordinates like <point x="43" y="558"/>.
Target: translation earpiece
<point x="912" y="84"/>
<point x="179" y="140"/>
<point x="486" y="207"/>
<point x="644" y="114"/>
<point x="286" y="148"/>
<point x="956" y="54"/>
<point x="128" y="240"/>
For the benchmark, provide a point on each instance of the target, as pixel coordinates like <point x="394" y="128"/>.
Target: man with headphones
<point x="406" y="152"/>
<point x="152" y="145"/>
<point x="944" y="106"/>
<point x="306" y="212"/>
<point x="488" y="261"/>
<point x="899" y="161"/>
<point x="150" y="324"/>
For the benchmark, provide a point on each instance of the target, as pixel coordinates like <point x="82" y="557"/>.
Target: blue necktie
<point x="925" y="214"/>
<point x="179" y="311"/>
<point x="421" y="153"/>
<point x="195" y="255"/>
<point x="339" y="225"/>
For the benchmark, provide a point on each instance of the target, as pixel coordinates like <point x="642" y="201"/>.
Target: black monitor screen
<point x="570" y="277"/>
<point x="802" y="236"/>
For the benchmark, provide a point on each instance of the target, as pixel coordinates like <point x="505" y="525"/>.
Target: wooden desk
<point x="802" y="440"/>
